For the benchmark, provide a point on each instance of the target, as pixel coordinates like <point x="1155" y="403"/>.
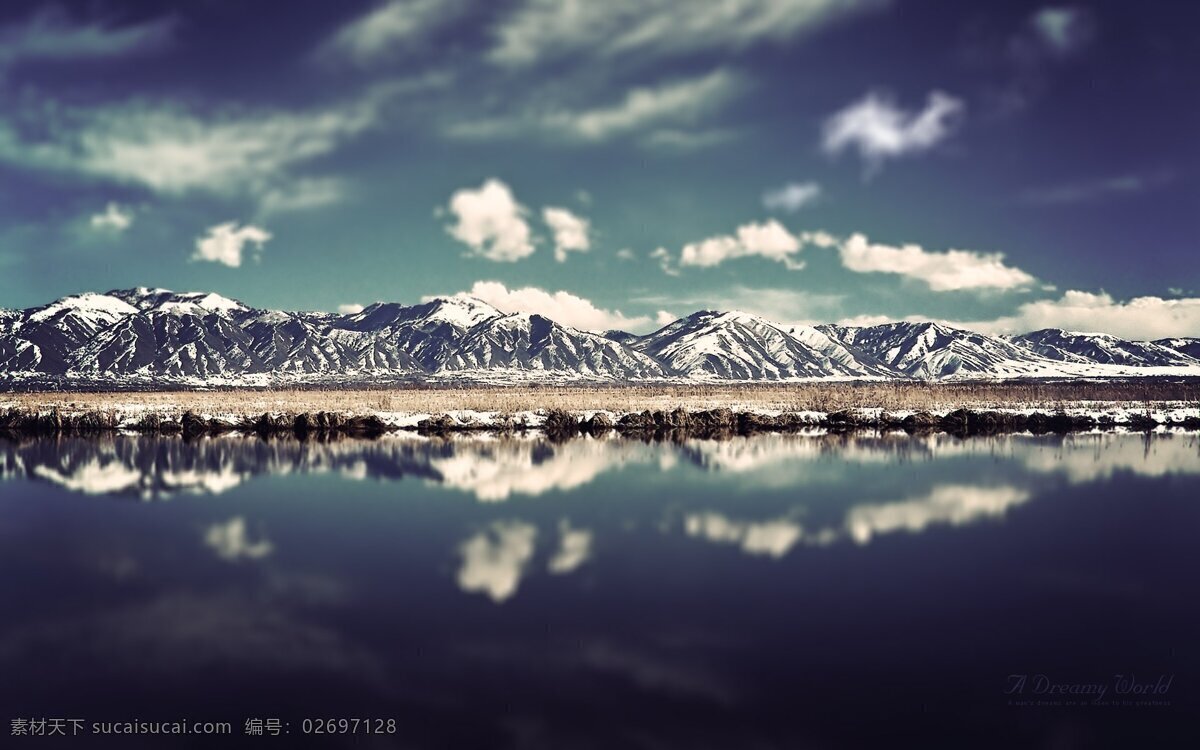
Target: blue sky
<point x="1006" y="165"/>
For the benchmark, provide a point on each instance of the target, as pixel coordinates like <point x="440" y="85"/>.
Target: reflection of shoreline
<point x="496" y="469"/>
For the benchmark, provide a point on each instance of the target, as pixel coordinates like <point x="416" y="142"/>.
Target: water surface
<point x="771" y="591"/>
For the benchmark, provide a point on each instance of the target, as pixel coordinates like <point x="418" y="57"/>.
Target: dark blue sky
<point x="1007" y="165"/>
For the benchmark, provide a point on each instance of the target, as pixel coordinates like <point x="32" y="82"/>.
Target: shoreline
<point x="678" y="423"/>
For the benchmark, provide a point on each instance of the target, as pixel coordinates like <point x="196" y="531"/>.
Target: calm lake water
<point x="767" y="592"/>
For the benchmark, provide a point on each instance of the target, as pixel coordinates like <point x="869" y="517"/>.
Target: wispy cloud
<point x="1097" y="190"/>
<point x="792" y="197"/>
<point x="50" y="34"/>
<point x="388" y="31"/>
<point x="879" y="129"/>
<point x="670" y="107"/>
<point x="541" y="30"/>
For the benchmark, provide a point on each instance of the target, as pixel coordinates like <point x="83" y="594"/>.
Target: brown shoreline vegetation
<point x="705" y="411"/>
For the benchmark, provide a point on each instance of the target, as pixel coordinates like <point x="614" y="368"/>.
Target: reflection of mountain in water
<point x="492" y="469"/>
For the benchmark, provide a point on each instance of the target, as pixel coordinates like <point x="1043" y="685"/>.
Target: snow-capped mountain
<point x="1069" y="346"/>
<point x="934" y="351"/>
<point x="152" y="337"/>
<point x="1190" y="347"/>
<point x="740" y="346"/>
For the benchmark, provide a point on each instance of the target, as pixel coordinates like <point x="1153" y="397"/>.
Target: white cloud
<point x="115" y="218"/>
<point x="225" y="243"/>
<point x="956" y="505"/>
<point x="575" y="549"/>
<point x="770" y="240"/>
<point x="665" y="318"/>
<point x="626" y="253"/>
<point x="946" y="271"/>
<point x="665" y="261"/>
<point x="350" y="309"/>
<point x="549" y="29"/>
<point x="792" y="197"/>
<point x="561" y="307"/>
<point x="786" y="305"/>
<point x="681" y="102"/>
<point x="570" y="232"/>
<point x="169" y="149"/>
<point x="231" y="541"/>
<point x="1140" y="318"/>
<point x="387" y="31"/>
<point x="50" y="35"/>
<point x="491" y="222"/>
<point x="881" y="130"/>
<point x="494" y="560"/>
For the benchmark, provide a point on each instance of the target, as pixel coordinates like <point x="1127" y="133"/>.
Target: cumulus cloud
<point x="945" y="271"/>
<point x="494" y="560"/>
<point x="562" y="307"/>
<point x="115" y="218"/>
<point x="769" y="239"/>
<point x="227" y="243"/>
<point x="570" y="232"/>
<point x="626" y="253"/>
<point x="665" y="107"/>
<point x="388" y="31"/>
<point x="50" y="34"/>
<point x="540" y="30"/>
<point x="350" y="309"/>
<point x="1140" y="318"/>
<point x="792" y="197"/>
<point x="491" y="222"/>
<point x="879" y="129"/>
<point x="231" y="541"/>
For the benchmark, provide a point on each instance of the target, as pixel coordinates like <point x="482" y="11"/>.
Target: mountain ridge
<point x="155" y="336"/>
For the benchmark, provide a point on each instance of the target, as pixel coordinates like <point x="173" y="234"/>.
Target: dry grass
<point x="821" y="397"/>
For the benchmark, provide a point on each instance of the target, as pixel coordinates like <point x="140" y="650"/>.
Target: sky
<point x="1004" y="166"/>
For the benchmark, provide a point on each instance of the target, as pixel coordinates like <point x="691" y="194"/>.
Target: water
<point x="804" y="591"/>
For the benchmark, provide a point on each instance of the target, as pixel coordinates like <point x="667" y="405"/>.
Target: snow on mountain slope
<point x="934" y="351"/>
<point x="1100" y="348"/>
<point x="1190" y="347"/>
<point x="156" y="336"/>
<point x="524" y="341"/>
<point x="740" y="346"/>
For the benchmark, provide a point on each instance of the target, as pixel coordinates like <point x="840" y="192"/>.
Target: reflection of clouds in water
<point x="231" y="541"/>
<point x="494" y="559"/>
<point x="1092" y="457"/>
<point x="771" y="538"/>
<point x="575" y="548"/>
<point x="493" y="471"/>
<point x="93" y="477"/>
<point x="955" y="505"/>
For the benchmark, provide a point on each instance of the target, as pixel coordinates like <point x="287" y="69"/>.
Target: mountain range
<point x="150" y="337"/>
